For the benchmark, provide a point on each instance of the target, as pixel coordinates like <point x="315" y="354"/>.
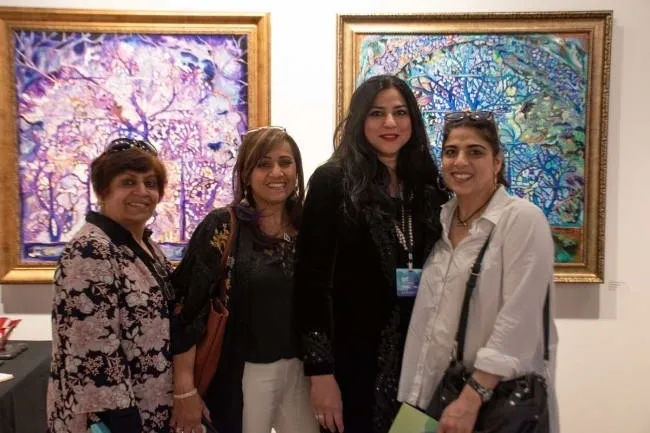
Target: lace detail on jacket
<point x="283" y="251"/>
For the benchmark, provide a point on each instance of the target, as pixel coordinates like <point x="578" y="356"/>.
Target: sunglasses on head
<point x="262" y="128"/>
<point x="120" y="144"/>
<point x="472" y="115"/>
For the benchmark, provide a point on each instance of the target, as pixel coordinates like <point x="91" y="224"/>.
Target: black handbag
<point x="518" y="405"/>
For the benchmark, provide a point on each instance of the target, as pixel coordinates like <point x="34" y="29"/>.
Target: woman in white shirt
<point x="505" y="336"/>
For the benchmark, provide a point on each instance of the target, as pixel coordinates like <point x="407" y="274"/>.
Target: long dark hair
<point x="365" y="177"/>
<point x="255" y="145"/>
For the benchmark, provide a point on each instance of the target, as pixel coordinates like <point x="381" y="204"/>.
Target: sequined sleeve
<point x="315" y="259"/>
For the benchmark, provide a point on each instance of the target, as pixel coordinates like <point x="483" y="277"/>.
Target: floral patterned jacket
<point x="110" y="330"/>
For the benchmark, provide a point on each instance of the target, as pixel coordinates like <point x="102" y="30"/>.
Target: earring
<point x="496" y="179"/>
<point x="293" y="198"/>
<point x="244" y="200"/>
<point x="441" y="183"/>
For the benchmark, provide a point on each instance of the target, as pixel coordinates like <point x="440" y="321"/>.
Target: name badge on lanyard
<point x="407" y="280"/>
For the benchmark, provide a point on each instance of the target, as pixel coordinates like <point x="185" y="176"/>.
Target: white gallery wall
<point x="604" y="354"/>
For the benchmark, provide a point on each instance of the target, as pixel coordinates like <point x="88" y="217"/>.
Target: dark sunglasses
<point x="457" y="116"/>
<point x="120" y="144"/>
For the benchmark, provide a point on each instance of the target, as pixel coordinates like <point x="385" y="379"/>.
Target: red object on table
<point x="6" y="328"/>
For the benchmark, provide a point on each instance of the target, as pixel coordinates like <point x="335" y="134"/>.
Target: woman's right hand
<point x="186" y="414"/>
<point x="187" y="410"/>
<point x="326" y="402"/>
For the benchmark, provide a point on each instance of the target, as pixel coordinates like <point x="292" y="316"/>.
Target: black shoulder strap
<point x="547" y="319"/>
<point x="469" y="290"/>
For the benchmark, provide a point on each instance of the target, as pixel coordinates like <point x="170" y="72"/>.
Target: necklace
<point x="463" y="223"/>
<point x="406" y="228"/>
<point x="281" y="233"/>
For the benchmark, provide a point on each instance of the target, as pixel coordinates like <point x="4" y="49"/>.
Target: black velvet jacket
<point x="351" y="321"/>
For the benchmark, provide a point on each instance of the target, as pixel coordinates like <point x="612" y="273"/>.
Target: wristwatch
<point x="483" y="392"/>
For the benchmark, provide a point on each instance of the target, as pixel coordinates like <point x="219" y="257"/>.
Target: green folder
<point x="412" y="420"/>
<point x="99" y="427"/>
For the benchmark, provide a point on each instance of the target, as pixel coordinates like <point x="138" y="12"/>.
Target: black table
<point x="22" y="399"/>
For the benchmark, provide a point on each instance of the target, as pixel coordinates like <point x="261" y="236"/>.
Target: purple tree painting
<point x="186" y="94"/>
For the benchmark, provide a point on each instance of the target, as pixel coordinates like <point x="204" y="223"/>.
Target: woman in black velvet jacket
<point x="372" y="209"/>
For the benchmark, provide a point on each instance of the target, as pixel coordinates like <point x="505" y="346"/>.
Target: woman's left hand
<point x="460" y="415"/>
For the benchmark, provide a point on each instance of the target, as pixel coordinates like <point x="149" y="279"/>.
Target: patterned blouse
<point x="110" y="330"/>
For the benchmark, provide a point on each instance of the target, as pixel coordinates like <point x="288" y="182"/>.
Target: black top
<point x="351" y="321"/>
<point x="259" y="327"/>
<point x="269" y="267"/>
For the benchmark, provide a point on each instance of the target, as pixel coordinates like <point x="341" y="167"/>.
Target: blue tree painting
<point x="536" y="84"/>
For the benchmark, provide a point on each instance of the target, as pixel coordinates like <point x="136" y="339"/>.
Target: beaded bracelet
<point x="185" y="395"/>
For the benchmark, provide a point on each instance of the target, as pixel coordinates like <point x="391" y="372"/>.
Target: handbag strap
<point x="547" y="319"/>
<point x="227" y="261"/>
<point x="469" y="290"/>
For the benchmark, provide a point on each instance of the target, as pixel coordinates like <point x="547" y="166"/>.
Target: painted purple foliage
<point x="187" y="94"/>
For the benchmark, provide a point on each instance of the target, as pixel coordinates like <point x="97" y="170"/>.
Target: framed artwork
<point x="546" y="78"/>
<point x="73" y="80"/>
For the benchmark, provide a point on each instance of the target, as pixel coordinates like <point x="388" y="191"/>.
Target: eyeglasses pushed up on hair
<point x="262" y="128"/>
<point x="121" y="144"/>
<point x="457" y="116"/>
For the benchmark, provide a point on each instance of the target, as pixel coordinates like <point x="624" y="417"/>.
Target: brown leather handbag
<point x="208" y="350"/>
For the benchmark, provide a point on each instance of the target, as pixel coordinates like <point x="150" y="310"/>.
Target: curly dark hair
<point x="365" y="177"/>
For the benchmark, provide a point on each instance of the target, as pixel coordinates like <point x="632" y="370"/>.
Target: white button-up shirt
<point x="505" y="335"/>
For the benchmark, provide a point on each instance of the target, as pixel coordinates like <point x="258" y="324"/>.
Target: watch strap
<point x="483" y="392"/>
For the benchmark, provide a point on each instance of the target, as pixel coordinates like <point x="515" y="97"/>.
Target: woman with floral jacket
<point x="111" y="354"/>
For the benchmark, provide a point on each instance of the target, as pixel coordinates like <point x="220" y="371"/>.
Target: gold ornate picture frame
<point x="545" y="75"/>
<point x="72" y="80"/>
